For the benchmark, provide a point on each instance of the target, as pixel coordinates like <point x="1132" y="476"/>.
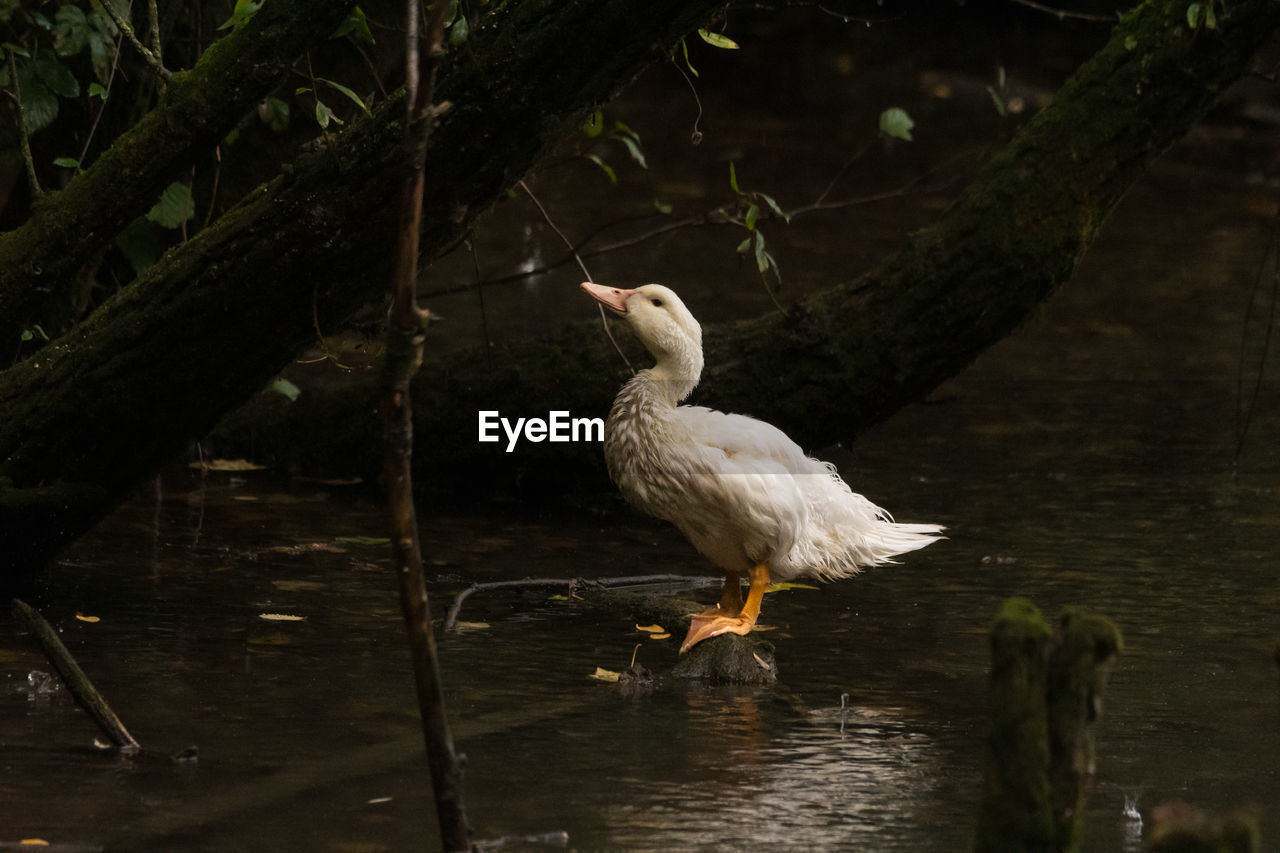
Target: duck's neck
<point x="674" y="376"/>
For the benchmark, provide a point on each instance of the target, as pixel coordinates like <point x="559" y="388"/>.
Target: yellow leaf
<point x="475" y="626"/>
<point x="84" y="618"/>
<point x="557" y="598"/>
<point x="779" y="587"/>
<point x="651" y="629"/>
<point x="602" y="674"/>
<point x="34" y="842"/>
<point x="280" y="617"/>
<point x="227" y="465"/>
<point x="661" y="636"/>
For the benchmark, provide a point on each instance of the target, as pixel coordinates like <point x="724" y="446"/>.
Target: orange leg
<point x="717" y="621"/>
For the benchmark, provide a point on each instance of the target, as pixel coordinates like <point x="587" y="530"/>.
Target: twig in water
<point x="78" y="684"/>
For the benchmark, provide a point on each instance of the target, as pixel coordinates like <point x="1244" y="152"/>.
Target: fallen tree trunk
<point x="40" y="261"/>
<point x="164" y="359"/>
<point x="846" y="359"/>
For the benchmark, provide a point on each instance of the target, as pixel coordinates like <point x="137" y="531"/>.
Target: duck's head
<point x="661" y="322"/>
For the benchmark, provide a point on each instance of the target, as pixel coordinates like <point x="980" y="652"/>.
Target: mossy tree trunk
<point x="157" y="365"/>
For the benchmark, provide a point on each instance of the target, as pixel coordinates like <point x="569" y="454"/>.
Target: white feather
<point x="740" y="489"/>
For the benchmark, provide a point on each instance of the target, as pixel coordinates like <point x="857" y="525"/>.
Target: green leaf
<point x="1130" y="42"/>
<point x="608" y="170"/>
<point x="753" y="213"/>
<point x="56" y="76"/>
<point x="324" y="115"/>
<point x="632" y="141"/>
<point x="744" y="246"/>
<point x="175" y="206"/>
<point x="275" y="113"/>
<point x="718" y="40"/>
<point x="733" y="178"/>
<point x="896" y="123"/>
<point x="285" y="387"/>
<point x="34" y="332"/>
<point x="356" y="25"/>
<point x="662" y="207"/>
<point x="245" y="9"/>
<point x="141" y="244"/>
<point x="39" y="105"/>
<point x="66" y="162"/>
<point x="773" y="205"/>
<point x="101" y="54"/>
<point x="1210" y="19"/>
<point x="684" y="47"/>
<point x="352" y="96"/>
<point x="1193" y="15"/>
<point x="70" y="30"/>
<point x="762" y="257"/>
<point x="459" y="32"/>
<point x="97" y="90"/>
<point x="594" y="125"/>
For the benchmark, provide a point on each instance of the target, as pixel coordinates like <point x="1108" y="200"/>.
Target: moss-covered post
<point x="1045" y="696"/>
<point x="1016" y="813"/>
<point x="1078" y="667"/>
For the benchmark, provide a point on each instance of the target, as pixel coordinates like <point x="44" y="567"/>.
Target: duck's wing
<point x="748" y="445"/>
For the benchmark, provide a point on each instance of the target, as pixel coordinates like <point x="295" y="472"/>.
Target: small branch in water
<point x="451" y="620"/>
<point x="79" y="685"/>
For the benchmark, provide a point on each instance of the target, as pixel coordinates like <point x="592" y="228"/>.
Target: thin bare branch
<point x="125" y="27"/>
<point x="24" y="140"/>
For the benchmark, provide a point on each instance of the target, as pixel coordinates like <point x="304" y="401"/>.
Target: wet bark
<point x="1044" y="697"/>
<point x="164" y="359"/>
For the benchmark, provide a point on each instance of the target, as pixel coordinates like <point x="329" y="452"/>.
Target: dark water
<point x="1088" y="460"/>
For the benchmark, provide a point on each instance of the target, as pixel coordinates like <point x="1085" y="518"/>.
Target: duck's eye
<point x="657" y="303"/>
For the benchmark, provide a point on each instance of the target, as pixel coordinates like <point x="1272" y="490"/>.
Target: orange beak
<point x="613" y="298"/>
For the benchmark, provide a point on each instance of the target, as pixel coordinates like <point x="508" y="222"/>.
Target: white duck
<point x="745" y="494"/>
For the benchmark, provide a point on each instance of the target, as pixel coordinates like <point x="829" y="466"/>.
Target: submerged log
<point x="727" y="659"/>
<point x="1045" y="695"/>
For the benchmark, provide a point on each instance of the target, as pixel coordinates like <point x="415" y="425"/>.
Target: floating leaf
<point x="81" y="617"/>
<point x="664" y="635"/>
<point x="651" y="629"/>
<point x="280" y="617"/>
<point x="377" y="801"/>
<point x="227" y="465"/>
<point x="474" y="626"/>
<point x="602" y="674"/>
<point x="175" y="206"/>
<point x="33" y="842"/>
<point x="783" y="585"/>
<point x="364" y="540"/>
<point x="718" y="40"/>
<point x="557" y="598"/>
<point x="896" y="123"/>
